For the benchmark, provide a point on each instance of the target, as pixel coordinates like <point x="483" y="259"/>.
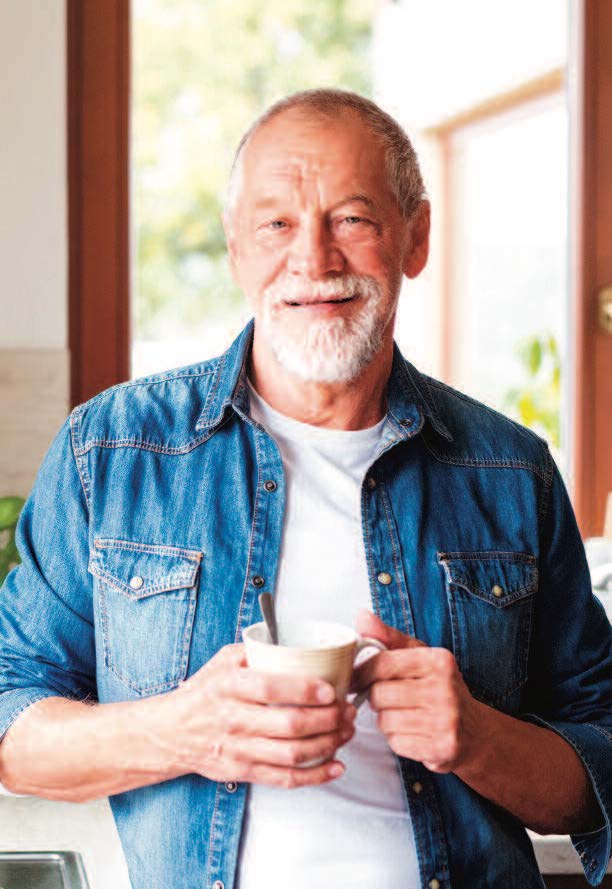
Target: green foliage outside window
<point x="537" y="404"/>
<point x="202" y="72"/>
<point x="10" y="507"/>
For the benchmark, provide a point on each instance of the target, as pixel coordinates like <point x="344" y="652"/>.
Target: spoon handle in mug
<point x="366" y="642"/>
<point x="266" y="603"/>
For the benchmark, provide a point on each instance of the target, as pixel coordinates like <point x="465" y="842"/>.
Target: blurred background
<point x="119" y="121"/>
<point x="491" y="312"/>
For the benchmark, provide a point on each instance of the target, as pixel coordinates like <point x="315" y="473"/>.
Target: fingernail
<point x="336" y="770"/>
<point x="325" y="694"/>
<point x="349" y="712"/>
<point x="346" y="733"/>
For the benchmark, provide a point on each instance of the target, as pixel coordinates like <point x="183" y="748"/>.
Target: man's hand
<point x="225" y="729"/>
<point x="424" y="706"/>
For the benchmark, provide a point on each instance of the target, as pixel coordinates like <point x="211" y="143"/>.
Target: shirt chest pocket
<point x="490" y="596"/>
<point x="147" y="599"/>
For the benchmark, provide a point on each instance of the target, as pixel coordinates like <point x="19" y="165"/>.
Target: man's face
<point x="318" y="244"/>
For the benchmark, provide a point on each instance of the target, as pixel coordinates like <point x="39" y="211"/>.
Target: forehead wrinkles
<point x="301" y="180"/>
<point x="292" y="146"/>
<point x="296" y="163"/>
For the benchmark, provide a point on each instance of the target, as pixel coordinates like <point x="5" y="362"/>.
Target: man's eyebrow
<point x="267" y="203"/>
<point x="356" y="198"/>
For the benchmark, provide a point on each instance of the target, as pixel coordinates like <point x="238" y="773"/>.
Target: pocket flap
<point x="497" y="578"/>
<point x="143" y="569"/>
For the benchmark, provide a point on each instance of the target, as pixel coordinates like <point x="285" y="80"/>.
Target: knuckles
<point x="289" y="780"/>
<point x="446" y="749"/>
<point x="264" y="689"/>
<point x="295" y="724"/>
<point x="232" y="722"/>
<point x="444" y="661"/>
<point x="295" y="755"/>
<point x="395" y="744"/>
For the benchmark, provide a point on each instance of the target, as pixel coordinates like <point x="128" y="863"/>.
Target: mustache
<point x="344" y="286"/>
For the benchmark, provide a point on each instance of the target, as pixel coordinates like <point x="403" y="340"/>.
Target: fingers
<point x="229" y="656"/>
<point x="277" y="752"/>
<point x="369" y="624"/>
<point x="288" y="777"/>
<point x="438" y="753"/>
<point x="286" y="722"/>
<point x="402" y="693"/>
<point x="405" y="663"/>
<point x="398" y="664"/>
<point x="402" y="721"/>
<point x="250" y="685"/>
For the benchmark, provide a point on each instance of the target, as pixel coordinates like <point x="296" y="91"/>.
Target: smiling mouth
<point x="321" y="302"/>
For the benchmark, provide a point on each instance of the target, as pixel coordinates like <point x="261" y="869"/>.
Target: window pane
<point x="509" y="200"/>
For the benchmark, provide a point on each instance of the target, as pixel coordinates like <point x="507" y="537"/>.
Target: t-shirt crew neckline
<point x="297" y="430"/>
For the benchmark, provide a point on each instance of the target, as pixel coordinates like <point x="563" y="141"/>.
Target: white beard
<point x="326" y="350"/>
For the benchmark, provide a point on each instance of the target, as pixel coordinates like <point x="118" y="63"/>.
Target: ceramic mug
<point x="322" y="649"/>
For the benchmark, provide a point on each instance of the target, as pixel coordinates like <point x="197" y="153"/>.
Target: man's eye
<point x="354" y="220"/>
<point x="276" y="224"/>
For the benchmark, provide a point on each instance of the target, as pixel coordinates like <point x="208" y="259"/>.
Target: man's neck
<point x="357" y="404"/>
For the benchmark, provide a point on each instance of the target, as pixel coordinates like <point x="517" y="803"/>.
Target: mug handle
<point x="366" y="642"/>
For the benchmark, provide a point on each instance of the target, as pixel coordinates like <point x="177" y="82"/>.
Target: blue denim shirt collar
<point x="409" y="398"/>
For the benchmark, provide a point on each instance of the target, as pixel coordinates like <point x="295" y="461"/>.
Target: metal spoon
<point x="266" y="603"/>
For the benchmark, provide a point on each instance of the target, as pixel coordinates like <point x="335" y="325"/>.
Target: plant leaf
<point x="534" y="356"/>
<point x="10" y="507"/>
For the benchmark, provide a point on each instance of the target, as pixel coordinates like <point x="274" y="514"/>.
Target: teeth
<point x="343" y="299"/>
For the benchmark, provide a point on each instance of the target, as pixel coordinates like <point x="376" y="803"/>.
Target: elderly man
<point x="314" y="461"/>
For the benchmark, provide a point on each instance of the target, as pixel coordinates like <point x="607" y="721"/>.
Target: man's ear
<point x="418" y="250"/>
<point x="230" y="240"/>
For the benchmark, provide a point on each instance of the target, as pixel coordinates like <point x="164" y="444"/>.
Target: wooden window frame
<point x="98" y="84"/>
<point x="99" y="263"/>
<point x="590" y="96"/>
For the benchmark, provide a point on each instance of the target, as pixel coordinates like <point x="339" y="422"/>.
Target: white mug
<point x="322" y="649"/>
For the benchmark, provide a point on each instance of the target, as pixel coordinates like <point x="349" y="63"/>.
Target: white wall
<point x="34" y="361"/>
<point x="33" y="198"/>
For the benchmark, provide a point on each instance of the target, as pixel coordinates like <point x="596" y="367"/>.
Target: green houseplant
<point x="537" y="404"/>
<point x="10" y="507"/>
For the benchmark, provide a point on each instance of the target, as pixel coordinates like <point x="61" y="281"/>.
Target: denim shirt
<point x="160" y="500"/>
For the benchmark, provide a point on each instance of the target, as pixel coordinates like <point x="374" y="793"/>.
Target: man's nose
<point x="313" y="252"/>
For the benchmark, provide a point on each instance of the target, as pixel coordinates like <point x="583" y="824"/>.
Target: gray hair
<point x="403" y="170"/>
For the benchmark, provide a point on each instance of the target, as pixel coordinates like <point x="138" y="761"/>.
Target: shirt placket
<point x="391" y="601"/>
<point x="261" y="572"/>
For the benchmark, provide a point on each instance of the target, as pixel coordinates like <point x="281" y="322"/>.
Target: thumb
<point x="369" y="624"/>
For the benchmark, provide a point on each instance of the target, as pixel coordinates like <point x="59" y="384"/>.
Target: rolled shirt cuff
<point x="16" y="700"/>
<point x="593" y="744"/>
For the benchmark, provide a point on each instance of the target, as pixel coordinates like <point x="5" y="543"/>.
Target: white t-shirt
<point x="354" y="831"/>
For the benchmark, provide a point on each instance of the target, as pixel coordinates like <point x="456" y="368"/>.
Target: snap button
<point x="417" y="787"/>
<point x="258" y="580"/>
<point x="270" y="485"/>
<point x="136" y="582"/>
<point x="371" y="483"/>
<point x="407" y="421"/>
<point x="384" y="578"/>
<point x="434" y="884"/>
<point x="231" y="786"/>
<point x="218" y="885"/>
<point x="497" y="591"/>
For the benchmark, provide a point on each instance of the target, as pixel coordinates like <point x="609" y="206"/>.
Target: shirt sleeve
<point x="46" y="614"/>
<point x="570" y="671"/>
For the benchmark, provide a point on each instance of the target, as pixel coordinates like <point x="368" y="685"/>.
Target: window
<point x="434" y="316"/>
